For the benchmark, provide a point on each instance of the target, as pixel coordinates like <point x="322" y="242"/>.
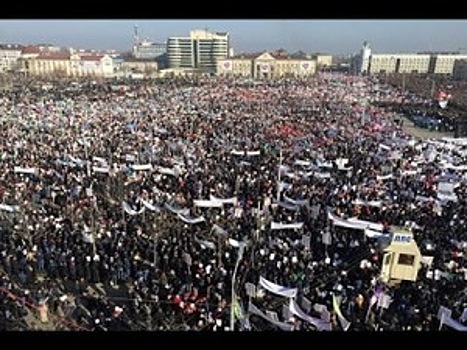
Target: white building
<point x="399" y="63"/>
<point x="202" y="50"/>
<point x="418" y="63"/>
<point x="9" y="57"/>
<point x="445" y="63"/>
<point x="66" y="63"/>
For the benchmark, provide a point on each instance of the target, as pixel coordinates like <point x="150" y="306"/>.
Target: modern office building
<point x="201" y="50"/>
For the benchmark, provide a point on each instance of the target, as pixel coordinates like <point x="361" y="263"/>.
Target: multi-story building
<point x="266" y="66"/>
<point x="202" y="50"/>
<point x="398" y="63"/>
<point x="460" y="70"/>
<point x="9" y="57"/>
<point x="444" y="63"/>
<point x="423" y="63"/>
<point x="147" y="67"/>
<point x="322" y="60"/>
<point x="147" y="50"/>
<point x="66" y="63"/>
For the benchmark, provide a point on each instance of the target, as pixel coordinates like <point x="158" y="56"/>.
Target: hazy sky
<point x="314" y="35"/>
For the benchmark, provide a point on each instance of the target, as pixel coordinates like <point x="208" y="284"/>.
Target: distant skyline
<point x="337" y="37"/>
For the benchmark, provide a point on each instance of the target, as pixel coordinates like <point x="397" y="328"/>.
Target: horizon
<point x="335" y="37"/>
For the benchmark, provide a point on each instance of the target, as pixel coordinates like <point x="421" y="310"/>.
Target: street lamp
<point x="241" y="249"/>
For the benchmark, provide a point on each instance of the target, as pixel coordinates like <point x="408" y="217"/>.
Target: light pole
<point x="241" y="248"/>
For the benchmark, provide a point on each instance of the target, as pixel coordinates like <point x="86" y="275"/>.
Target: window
<point x="406" y="259"/>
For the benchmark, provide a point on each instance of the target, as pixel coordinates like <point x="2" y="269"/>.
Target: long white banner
<point x="9" y="208"/>
<point x="318" y="323"/>
<point x="150" y="206"/>
<point x="190" y="220"/>
<point x="277" y="289"/>
<point x="207" y="203"/>
<point x="137" y="167"/>
<point x="281" y="226"/>
<point x="131" y="211"/>
<point x="21" y="170"/>
<point x="252" y="309"/>
<point x="232" y="200"/>
<point x="174" y="210"/>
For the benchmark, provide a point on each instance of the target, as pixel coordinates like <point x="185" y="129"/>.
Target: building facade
<point x="9" y="57"/>
<point x="147" y="67"/>
<point x="398" y="63"/>
<point x="322" y="60"/>
<point x="66" y="64"/>
<point x="202" y="50"/>
<point x="266" y="66"/>
<point x="460" y="70"/>
<point x="445" y="63"/>
<point x="366" y="62"/>
<point x="146" y="50"/>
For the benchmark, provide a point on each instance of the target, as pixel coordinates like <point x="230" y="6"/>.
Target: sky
<point x="336" y="37"/>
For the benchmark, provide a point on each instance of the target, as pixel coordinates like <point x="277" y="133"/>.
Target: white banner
<point x="100" y="160"/>
<point x="386" y="148"/>
<point x="190" y="220"/>
<point x="445" y="317"/>
<point x="219" y="231"/>
<point x="253" y="153"/>
<point x="9" y="208"/>
<point x="320" y="175"/>
<point x="298" y="202"/>
<point x="234" y="243"/>
<point x="342" y="223"/>
<point x="76" y="160"/>
<point x="252" y="309"/>
<point x="206" y="244"/>
<point x="288" y="206"/>
<point x="277" y="289"/>
<point x="137" y="167"/>
<point x="150" y="206"/>
<point x="384" y="177"/>
<point x="246" y="153"/>
<point x="384" y="300"/>
<point x="377" y="204"/>
<point x="207" y="203"/>
<point x="170" y="207"/>
<point x="232" y="200"/>
<point x="167" y="171"/>
<point x="336" y="307"/>
<point x="281" y="226"/>
<point x="303" y="163"/>
<point x="100" y="170"/>
<point x="373" y="234"/>
<point x="284" y="186"/>
<point x="24" y="170"/>
<point x="131" y="211"/>
<point x="318" y="323"/>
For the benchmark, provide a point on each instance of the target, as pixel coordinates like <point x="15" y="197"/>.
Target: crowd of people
<point x="157" y="205"/>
